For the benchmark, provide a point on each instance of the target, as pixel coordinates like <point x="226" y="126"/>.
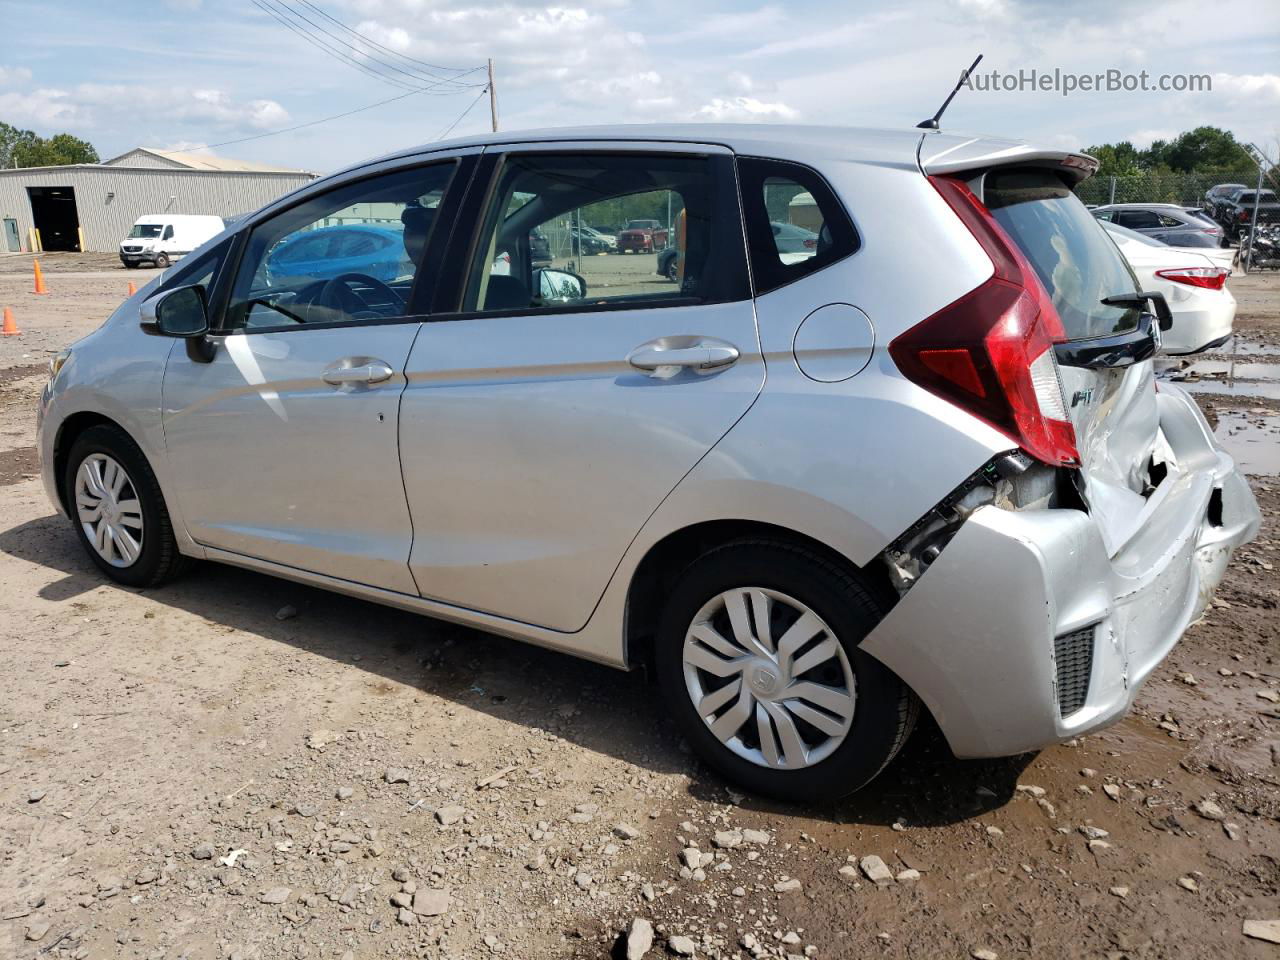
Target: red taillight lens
<point x="811" y="244"/>
<point x="1211" y="278"/>
<point x="1244" y="215"/>
<point x="991" y="351"/>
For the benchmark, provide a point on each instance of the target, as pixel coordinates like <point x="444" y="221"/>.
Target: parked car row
<point x="1232" y="206"/>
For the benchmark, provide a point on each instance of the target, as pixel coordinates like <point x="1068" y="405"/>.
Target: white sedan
<point x="1193" y="283"/>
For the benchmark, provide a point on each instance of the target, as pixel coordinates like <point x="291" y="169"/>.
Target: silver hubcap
<point x="769" y="678"/>
<point x="108" y="509"/>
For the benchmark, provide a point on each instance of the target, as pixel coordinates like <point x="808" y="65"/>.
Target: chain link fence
<point x="1185" y="189"/>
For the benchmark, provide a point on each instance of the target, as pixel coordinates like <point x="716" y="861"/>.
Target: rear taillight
<point x="810" y="244"/>
<point x="1244" y="214"/>
<point x="991" y="351"/>
<point x="1211" y="278"/>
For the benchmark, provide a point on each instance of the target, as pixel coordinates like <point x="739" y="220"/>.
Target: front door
<point x="546" y="420"/>
<point x="284" y="445"/>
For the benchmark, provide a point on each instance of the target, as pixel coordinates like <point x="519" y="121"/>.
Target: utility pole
<point x="493" y="98"/>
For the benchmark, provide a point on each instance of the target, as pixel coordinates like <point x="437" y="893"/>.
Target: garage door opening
<point x="53" y="210"/>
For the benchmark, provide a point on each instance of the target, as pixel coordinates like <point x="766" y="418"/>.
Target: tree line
<point x="26" y="148"/>
<point x="1202" y="150"/>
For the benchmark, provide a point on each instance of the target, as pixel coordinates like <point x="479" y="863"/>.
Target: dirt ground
<point x="239" y="767"/>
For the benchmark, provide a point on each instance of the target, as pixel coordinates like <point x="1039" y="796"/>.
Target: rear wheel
<point x="759" y="660"/>
<point x="118" y="511"/>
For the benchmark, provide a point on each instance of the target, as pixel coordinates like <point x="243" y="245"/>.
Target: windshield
<point x="145" y="231"/>
<point x="1075" y="262"/>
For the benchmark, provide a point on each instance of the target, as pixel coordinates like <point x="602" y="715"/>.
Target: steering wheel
<point x="337" y="294"/>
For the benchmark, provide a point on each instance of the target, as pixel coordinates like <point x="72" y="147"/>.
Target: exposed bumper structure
<point x="975" y="637"/>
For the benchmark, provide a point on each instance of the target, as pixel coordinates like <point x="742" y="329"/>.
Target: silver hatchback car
<point x="923" y="461"/>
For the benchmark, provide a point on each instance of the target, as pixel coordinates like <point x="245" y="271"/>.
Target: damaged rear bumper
<point x="1024" y="632"/>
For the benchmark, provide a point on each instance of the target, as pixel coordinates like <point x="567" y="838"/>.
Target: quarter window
<point x="350" y="254"/>
<point x="608" y="230"/>
<point x="795" y="224"/>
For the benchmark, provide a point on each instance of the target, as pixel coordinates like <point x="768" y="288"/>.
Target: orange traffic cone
<point x="40" y="287"/>
<point x="10" y="325"/>
<point x="132" y="288"/>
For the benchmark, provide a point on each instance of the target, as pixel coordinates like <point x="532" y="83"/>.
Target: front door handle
<point x="665" y="357"/>
<point x="358" y="370"/>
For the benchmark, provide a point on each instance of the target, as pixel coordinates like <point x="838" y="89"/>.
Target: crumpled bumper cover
<point x="974" y="637"/>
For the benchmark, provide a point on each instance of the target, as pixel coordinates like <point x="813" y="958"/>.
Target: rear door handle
<point x="665" y="357"/>
<point x="358" y="370"/>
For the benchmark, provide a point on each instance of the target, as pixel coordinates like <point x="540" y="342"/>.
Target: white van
<point x="161" y="238"/>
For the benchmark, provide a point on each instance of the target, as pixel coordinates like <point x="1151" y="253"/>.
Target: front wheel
<point x="162" y="261"/>
<point x="758" y="656"/>
<point x="118" y="511"/>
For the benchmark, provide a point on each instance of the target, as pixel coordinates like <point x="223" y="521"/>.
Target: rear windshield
<point x="1074" y="258"/>
<point x="1265" y="197"/>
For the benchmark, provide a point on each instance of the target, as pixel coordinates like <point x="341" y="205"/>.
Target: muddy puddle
<point x="1239" y="369"/>
<point x="1268" y="389"/>
<point x="1253" y="440"/>
<point x="1245" y="347"/>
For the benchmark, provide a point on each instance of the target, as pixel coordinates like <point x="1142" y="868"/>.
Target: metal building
<point x="91" y="206"/>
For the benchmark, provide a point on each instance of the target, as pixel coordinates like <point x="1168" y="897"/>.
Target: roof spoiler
<point x="947" y="154"/>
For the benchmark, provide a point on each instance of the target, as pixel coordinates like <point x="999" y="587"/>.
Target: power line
<point x="461" y="116"/>
<point x="374" y="43"/>
<point x="321" y="45"/>
<point x="309" y="123"/>
<point x="281" y="16"/>
<point x="338" y="116"/>
<point x="362" y="55"/>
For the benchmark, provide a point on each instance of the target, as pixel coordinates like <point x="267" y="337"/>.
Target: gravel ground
<point x="235" y="766"/>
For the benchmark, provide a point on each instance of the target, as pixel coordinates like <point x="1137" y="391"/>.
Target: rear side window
<point x="795" y="224"/>
<point x="1075" y="260"/>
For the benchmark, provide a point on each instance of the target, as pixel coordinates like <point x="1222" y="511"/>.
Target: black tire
<point x="159" y="560"/>
<point x="885" y="709"/>
<point x="162" y="261"/>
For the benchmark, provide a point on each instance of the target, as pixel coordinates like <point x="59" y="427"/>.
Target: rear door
<point x="1107" y="377"/>
<point x="548" y="415"/>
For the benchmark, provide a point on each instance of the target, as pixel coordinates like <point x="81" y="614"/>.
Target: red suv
<point x="642" y="236"/>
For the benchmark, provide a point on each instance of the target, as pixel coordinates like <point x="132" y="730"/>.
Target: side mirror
<point x="180" y="312"/>
<point x="560" y="286"/>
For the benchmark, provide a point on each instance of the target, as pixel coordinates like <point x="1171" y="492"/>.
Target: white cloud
<point x="744" y="108"/>
<point x="985" y="9"/>
<point x="88" y="107"/>
<point x="1261" y="88"/>
<point x="1142" y="139"/>
<point x="14" y="75"/>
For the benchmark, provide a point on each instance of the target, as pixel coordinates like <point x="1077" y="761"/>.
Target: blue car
<point x="373" y="251"/>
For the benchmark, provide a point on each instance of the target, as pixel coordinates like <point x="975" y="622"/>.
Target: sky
<point x="180" y="74"/>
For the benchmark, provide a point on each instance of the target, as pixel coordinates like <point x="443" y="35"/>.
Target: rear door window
<point x="795" y="224"/>
<point x="1138" y="219"/>
<point x="687" y="247"/>
<point x="1073" y="257"/>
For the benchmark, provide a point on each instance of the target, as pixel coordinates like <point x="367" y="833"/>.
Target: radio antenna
<point x="932" y="122"/>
